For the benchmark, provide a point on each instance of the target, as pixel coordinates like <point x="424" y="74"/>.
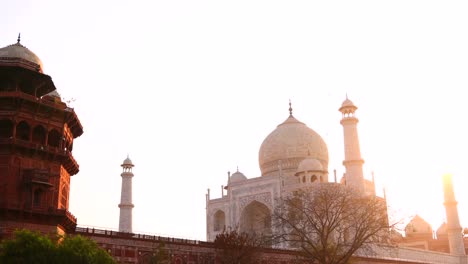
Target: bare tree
<point x="237" y="248"/>
<point x="329" y="222"/>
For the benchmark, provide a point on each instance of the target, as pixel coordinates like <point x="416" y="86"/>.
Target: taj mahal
<point x="291" y="157"/>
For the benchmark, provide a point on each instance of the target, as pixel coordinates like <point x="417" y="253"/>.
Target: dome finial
<point x="19" y="37"/>
<point x="237" y="168"/>
<point x="346" y="95"/>
<point x="290" y="108"/>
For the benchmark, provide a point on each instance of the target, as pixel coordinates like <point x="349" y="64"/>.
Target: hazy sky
<point x="191" y="88"/>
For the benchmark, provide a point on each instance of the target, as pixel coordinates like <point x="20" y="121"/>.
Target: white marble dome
<point x="289" y="144"/>
<point x="237" y="177"/>
<point x="18" y="51"/>
<point x="127" y="162"/>
<point x="347" y="102"/>
<point x="310" y="164"/>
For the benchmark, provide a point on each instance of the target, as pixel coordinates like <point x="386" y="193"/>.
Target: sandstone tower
<point x="37" y="131"/>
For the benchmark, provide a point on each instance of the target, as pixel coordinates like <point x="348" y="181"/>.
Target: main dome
<point x="290" y="143"/>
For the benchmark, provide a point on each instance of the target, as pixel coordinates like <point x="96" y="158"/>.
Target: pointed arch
<point x="256" y="218"/>
<point x="219" y="220"/>
<point x="23" y="131"/>
<point x="313" y="178"/>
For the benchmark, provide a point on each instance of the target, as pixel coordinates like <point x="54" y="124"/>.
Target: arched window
<point x="54" y="138"/>
<point x="256" y="218"/>
<point x="219" y="221"/>
<point x="39" y="135"/>
<point x="6" y="128"/>
<point x="23" y="130"/>
<point x="313" y="178"/>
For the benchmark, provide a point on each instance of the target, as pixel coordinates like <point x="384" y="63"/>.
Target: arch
<point x="256" y="218"/>
<point x="53" y="138"/>
<point x="23" y="131"/>
<point x="313" y="178"/>
<point x="219" y="221"/>
<point x="39" y="135"/>
<point x="6" y="128"/>
<point x="64" y="198"/>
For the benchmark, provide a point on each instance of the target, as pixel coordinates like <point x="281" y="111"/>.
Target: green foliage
<point x="33" y="247"/>
<point x="27" y="247"/>
<point x="78" y="249"/>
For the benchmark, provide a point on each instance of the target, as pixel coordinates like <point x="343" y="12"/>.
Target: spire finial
<point x="346" y="96"/>
<point x="290" y="108"/>
<point x="19" y="38"/>
<point x="237" y="168"/>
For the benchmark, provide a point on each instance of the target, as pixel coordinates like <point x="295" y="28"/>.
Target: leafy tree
<point x="236" y="248"/>
<point x="329" y="222"/>
<point x="28" y="247"/>
<point x="79" y="249"/>
<point x="33" y="247"/>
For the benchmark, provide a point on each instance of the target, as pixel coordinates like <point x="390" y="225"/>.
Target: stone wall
<point x="137" y="248"/>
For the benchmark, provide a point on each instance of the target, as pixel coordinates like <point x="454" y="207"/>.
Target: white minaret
<point x="353" y="162"/>
<point x="126" y="206"/>
<point x="454" y="228"/>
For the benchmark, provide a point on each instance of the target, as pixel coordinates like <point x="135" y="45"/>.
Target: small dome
<point x="347" y="105"/>
<point x="54" y="93"/>
<point x="417" y="225"/>
<point x="442" y="230"/>
<point x="347" y="102"/>
<point x="18" y="51"/>
<point x="127" y="162"/>
<point x="237" y="176"/>
<point x="309" y="164"/>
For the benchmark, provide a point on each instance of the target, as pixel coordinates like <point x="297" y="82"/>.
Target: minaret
<point x="454" y="229"/>
<point x="126" y="206"/>
<point x="353" y="161"/>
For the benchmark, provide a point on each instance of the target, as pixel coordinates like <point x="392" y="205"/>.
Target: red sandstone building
<point x="37" y="131"/>
<point x="36" y="141"/>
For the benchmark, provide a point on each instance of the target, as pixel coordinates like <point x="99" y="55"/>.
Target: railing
<point x="32" y="98"/>
<point x="69" y="161"/>
<point x="116" y="234"/>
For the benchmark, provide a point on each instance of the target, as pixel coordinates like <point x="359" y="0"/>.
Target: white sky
<point x="191" y="88"/>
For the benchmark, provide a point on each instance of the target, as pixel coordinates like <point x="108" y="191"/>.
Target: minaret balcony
<point x="47" y="152"/>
